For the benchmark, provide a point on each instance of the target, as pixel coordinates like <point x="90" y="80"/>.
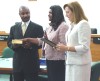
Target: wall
<point x="39" y="11"/>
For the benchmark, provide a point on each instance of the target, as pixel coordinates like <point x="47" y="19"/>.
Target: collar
<point x="27" y="23"/>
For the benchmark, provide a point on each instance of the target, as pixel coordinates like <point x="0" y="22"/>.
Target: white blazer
<point x="80" y="37"/>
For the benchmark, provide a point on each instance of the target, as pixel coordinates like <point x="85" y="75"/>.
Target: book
<point x="48" y="42"/>
<point x="17" y="41"/>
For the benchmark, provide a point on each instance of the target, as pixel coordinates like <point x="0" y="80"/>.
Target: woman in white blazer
<point x="78" y="37"/>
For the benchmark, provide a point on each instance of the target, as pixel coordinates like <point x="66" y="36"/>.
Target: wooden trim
<point x="95" y="35"/>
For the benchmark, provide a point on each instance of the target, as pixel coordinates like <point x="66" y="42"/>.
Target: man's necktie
<point x="24" y="28"/>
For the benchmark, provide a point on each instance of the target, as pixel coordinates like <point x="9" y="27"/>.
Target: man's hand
<point x="26" y="44"/>
<point x="31" y="40"/>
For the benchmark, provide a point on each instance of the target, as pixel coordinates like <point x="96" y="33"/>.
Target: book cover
<point x="48" y="42"/>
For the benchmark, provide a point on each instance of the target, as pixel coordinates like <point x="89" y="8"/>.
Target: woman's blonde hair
<point x="77" y="11"/>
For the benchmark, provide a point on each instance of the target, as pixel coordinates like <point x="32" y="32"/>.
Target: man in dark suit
<point x="25" y="60"/>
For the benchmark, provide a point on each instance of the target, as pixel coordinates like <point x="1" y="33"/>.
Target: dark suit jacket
<point x="25" y="59"/>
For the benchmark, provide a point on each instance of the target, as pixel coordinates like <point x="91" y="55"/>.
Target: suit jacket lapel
<point x="20" y="29"/>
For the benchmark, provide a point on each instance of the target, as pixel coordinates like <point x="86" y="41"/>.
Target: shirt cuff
<point x="40" y="41"/>
<point x="78" y="48"/>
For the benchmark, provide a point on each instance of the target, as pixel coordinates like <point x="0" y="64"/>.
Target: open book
<point x="48" y="42"/>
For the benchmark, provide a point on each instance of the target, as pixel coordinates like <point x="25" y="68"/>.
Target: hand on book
<point x="31" y="40"/>
<point x="27" y="44"/>
<point x="61" y="47"/>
